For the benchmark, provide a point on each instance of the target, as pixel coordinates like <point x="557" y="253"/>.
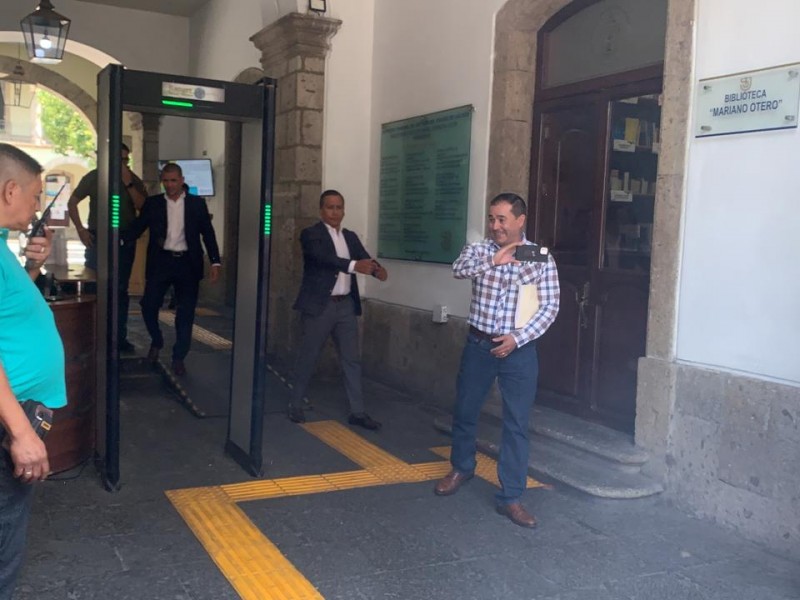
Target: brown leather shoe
<point x="449" y="484"/>
<point x="152" y="354"/>
<point x="518" y="515"/>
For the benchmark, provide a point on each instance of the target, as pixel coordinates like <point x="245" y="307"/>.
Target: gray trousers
<point x="337" y="320"/>
<point x="15" y="510"/>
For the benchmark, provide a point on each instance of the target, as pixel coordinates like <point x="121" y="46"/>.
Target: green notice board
<point x="424" y="186"/>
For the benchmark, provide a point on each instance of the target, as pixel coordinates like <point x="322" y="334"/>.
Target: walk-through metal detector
<point x="254" y="106"/>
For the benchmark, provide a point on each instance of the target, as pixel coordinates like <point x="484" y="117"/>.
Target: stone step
<point x="607" y="443"/>
<point x="135" y="366"/>
<point x="573" y="466"/>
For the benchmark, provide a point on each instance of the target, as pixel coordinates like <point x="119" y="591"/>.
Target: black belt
<point x="481" y="334"/>
<point x="340" y="298"/>
<point x="175" y="253"/>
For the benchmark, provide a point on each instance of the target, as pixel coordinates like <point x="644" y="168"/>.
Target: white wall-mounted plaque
<point x="761" y="100"/>
<point x="172" y="89"/>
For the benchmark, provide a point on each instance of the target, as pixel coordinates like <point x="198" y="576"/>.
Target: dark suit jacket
<point x="321" y="267"/>
<point x="196" y="222"/>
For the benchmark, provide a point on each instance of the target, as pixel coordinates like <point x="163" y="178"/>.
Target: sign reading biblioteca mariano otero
<point x="763" y="100"/>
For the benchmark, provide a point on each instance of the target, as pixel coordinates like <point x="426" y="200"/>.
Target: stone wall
<point x="403" y="348"/>
<point x="733" y="453"/>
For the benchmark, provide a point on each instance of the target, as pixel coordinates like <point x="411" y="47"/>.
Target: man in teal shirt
<point x="31" y="359"/>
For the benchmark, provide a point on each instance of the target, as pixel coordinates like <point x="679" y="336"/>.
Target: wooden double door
<point x="585" y="210"/>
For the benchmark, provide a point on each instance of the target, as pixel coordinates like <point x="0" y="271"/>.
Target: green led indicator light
<point x="177" y="103"/>
<point x="267" y="219"/>
<point x="115" y="211"/>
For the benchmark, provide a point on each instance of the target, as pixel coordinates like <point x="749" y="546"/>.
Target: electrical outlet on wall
<point x="440" y="313"/>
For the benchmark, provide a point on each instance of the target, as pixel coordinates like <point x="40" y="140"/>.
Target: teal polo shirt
<point x="31" y="351"/>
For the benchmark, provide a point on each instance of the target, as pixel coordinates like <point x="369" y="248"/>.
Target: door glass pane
<point x="611" y="36"/>
<point x="633" y="161"/>
<point x="566" y="183"/>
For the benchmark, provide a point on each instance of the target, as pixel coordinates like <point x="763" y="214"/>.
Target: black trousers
<point x="173" y="271"/>
<point x="127" y="254"/>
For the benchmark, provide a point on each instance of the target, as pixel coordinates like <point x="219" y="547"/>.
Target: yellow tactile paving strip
<point x="486" y="468"/>
<point x="253" y="564"/>
<point x="378" y="462"/>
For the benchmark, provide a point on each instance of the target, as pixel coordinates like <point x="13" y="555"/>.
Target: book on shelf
<point x="615" y="181"/>
<point x="618" y="130"/>
<point x="631" y="130"/>
<point x="624" y="146"/>
<point x="620" y="196"/>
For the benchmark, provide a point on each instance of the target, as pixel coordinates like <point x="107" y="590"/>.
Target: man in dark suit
<point x="329" y="302"/>
<point x="176" y="221"/>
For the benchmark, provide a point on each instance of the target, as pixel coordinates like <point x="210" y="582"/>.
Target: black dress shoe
<point x="296" y="415"/>
<point x="365" y="421"/>
<point x="178" y="367"/>
<point x="126" y="346"/>
<point x="152" y="354"/>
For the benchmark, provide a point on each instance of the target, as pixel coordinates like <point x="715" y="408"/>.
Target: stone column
<point x="150" y="176"/>
<point x="149" y="125"/>
<point x="293" y="51"/>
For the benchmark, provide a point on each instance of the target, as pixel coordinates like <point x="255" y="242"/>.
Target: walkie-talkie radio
<point x="37" y="229"/>
<point x="39" y="416"/>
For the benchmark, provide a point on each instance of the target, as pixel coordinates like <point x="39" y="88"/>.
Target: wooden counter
<point x="71" y="440"/>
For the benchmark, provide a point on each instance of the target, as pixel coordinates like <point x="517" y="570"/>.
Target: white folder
<point x="527" y="304"/>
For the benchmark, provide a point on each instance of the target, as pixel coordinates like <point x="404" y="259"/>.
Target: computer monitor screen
<point x="197" y="174"/>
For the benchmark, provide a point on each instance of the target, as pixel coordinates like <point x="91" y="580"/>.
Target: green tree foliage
<point x="64" y="128"/>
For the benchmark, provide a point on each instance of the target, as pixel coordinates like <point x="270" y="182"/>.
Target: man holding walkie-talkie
<point x="31" y="360"/>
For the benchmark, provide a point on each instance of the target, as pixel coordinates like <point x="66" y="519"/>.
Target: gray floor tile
<point x="397" y="542"/>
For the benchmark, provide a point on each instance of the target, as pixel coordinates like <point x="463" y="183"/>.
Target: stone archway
<point x="71" y="92"/>
<point x="513" y="94"/>
<point x="68" y="90"/>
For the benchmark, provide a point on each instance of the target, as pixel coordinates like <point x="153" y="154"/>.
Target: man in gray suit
<point x="329" y="302"/>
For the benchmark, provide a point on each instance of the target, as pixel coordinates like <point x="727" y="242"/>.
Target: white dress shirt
<point x="176" y="234"/>
<point x="342" y="287"/>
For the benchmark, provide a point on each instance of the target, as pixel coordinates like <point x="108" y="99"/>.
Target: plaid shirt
<point x="495" y="290"/>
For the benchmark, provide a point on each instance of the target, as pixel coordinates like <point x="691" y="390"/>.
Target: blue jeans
<point x="517" y="375"/>
<point x="15" y="510"/>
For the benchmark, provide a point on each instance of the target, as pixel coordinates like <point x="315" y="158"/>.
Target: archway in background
<point x="93" y="55"/>
<point x="516" y="34"/>
<point x="71" y="92"/>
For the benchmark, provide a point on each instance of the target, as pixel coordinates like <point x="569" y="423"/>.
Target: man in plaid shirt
<point x="497" y="349"/>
